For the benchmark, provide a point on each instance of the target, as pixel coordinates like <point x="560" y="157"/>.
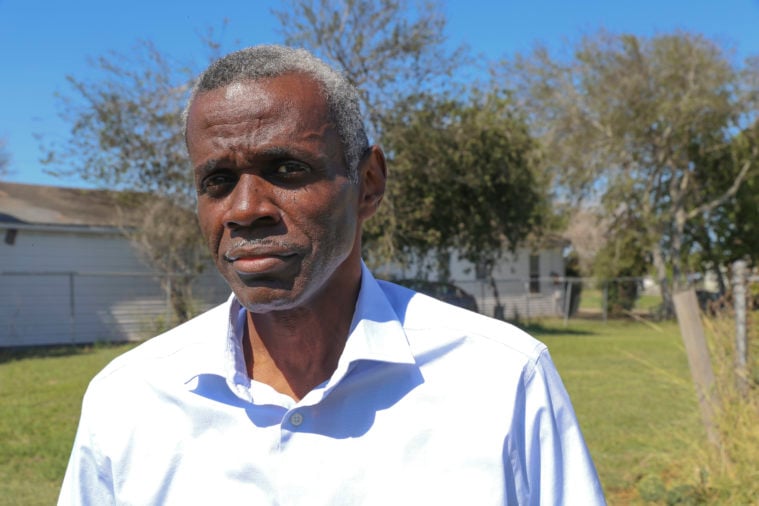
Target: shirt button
<point x="296" y="419"/>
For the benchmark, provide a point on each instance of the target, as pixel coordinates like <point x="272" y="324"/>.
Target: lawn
<point x="629" y="383"/>
<point x="592" y="300"/>
<point x="40" y="398"/>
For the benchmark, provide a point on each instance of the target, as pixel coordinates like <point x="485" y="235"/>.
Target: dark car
<point x="447" y="292"/>
<point x="711" y="302"/>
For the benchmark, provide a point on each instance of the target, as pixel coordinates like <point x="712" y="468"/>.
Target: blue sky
<point x="43" y="41"/>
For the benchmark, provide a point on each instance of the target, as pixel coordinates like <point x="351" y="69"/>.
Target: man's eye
<point x="216" y="184"/>
<point x="291" y="169"/>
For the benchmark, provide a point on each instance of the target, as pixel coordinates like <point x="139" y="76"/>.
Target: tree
<point x="624" y="119"/>
<point x="126" y="134"/>
<point x="621" y="262"/>
<point x="388" y="49"/>
<point x="588" y="232"/>
<point x="729" y="232"/>
<point x="169" y="239"/>
<point x="126" y="125"/>
<point x="464" y="180"/>
<point x="461" y="178"/>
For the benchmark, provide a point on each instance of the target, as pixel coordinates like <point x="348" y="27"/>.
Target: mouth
<point x="255" y="261"/>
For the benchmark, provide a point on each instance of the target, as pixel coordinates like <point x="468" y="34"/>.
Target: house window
<point x="534" y="273"/>
<point x="10" y="236"/>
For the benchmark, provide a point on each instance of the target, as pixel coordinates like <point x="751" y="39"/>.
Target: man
<point x="315" y="383"/>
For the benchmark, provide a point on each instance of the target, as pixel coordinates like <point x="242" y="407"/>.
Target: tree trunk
<point x="663" y="280"/>
<point x="678" y="276"/>
<point x="499" y="311"/>
<point x="711" y="258"/>
<point x="180" y="297"/>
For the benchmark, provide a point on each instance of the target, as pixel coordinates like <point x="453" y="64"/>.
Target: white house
<point x="68" y="274"/>
<point x="526" y="283"/>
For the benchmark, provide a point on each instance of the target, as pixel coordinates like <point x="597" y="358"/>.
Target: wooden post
<point x="168" y="300"/>
<point x="527" y="301"/>
<point x="739" y="298"/>
<point x="72" y="307"/>
<point x="567" y="301"/>
<point x="692" y="331"/>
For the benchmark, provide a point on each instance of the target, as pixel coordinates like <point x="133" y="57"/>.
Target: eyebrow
<point x="266" y="154"/>
<point x="206" y="167"/>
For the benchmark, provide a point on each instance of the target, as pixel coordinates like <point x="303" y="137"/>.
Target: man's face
<point x="274" y="200"/>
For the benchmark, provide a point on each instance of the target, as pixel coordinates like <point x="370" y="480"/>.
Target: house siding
<point x="511" y="276"/>
<point x="63" y="287"/>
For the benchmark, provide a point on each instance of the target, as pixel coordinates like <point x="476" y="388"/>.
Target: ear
<point x="372" y="173"/>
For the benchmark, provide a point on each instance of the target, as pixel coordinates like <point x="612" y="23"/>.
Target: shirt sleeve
<point x="558" y="465"/>
<point x="88" y="480"/>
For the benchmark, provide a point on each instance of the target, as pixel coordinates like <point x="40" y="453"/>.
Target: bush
<point x="621" y="296"/>
<point x="734" y="466"/>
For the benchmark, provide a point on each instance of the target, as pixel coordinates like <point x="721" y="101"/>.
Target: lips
<point x="248" y="260"/>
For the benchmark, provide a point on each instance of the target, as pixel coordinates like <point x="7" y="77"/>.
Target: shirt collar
<point x="235" y="370"/>
<point x="376" y="334"/>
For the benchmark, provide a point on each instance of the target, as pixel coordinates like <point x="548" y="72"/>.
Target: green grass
<point x="40" y="398"/>
<point x="631" y="388"/>
<point x="629" y="383"/>
<point x="592" y="301"/>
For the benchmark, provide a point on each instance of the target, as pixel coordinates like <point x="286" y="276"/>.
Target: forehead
<point x="295" y="95"/>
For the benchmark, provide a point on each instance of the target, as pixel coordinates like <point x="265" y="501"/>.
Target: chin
<point x="264" y="299"/>
<point x="271" y="305"/>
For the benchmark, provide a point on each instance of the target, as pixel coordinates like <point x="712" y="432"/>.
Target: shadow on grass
<point x="26" y="352"/>
<point x="538" y="329"/>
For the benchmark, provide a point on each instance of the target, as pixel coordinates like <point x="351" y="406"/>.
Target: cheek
<point x="337" y="222"/>
<point x="210" y="226"/>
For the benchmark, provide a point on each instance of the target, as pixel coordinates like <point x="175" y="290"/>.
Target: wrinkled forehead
<point x="295" y="97"/>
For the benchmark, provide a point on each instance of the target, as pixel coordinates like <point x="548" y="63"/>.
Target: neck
<point x="294" y="351"/>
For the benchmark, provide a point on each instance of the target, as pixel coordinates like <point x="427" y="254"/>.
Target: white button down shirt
<point x="429" y="404"/>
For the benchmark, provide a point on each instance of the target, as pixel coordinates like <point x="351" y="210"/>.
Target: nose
<point x="252" y="202"/>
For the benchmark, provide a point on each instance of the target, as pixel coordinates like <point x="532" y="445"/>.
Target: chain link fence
<point x="40" y="308"/>
<point x="591" y="298"/>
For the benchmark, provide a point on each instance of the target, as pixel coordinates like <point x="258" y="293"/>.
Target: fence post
<point x="739" y="297"/>
<point x="692" y="332"/>
<point x="168" y="299"/>
<point x="72" y="306"/>
<point x="527" y="301"/>
<point x="567" y="301"/>
<point x="605" y="300"/>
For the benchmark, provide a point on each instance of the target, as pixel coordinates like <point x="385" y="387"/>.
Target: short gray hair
<point x="266" y="61"/>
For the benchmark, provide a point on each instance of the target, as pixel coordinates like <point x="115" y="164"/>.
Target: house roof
<point x="26" y="204"/>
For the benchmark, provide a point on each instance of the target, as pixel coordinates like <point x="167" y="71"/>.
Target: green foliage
<point x="733" y="470"/>
<point x="462" y="178"/>
<point x="619" y="264"/>
<point x="627" y="119"/>
<point x="729" y="232"/>
<point x="572" y="270"/>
